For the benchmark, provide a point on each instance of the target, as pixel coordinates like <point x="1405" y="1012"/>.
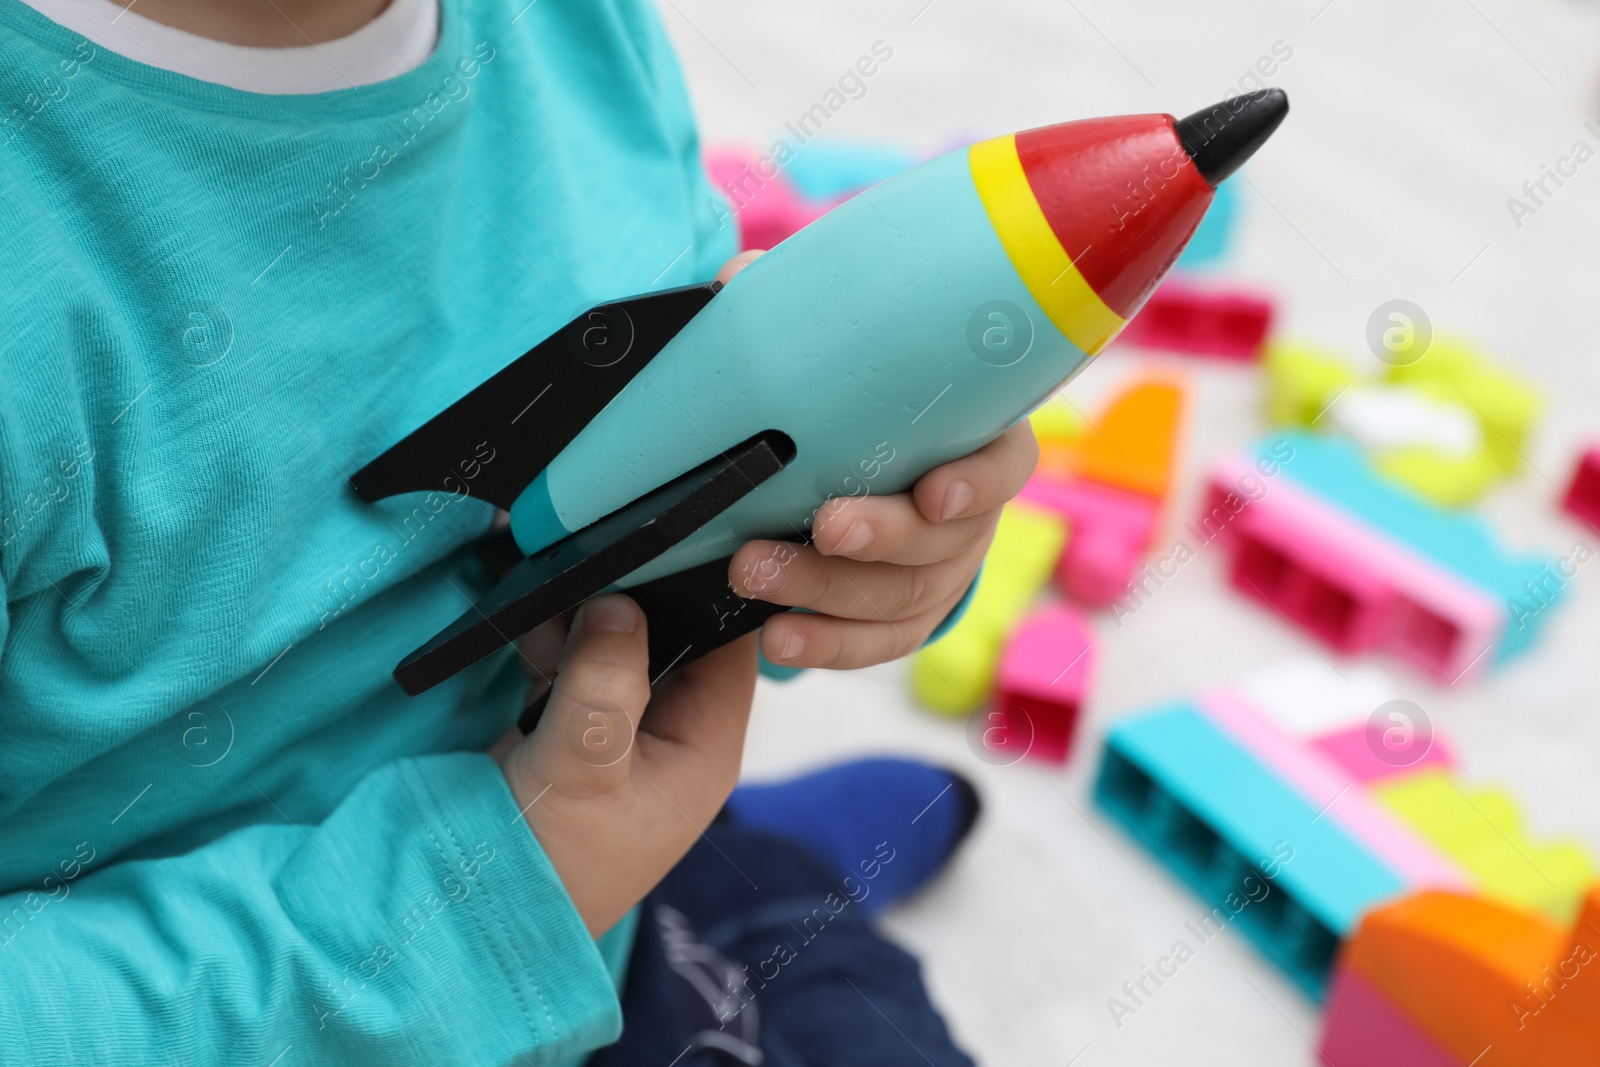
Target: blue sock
<point x="885" y="826"/>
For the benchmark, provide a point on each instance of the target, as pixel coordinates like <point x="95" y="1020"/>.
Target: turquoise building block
<point x="828" y="170"/>
<point x="1212" y="241"/>
<point x="1215" y="815"/>
<point x="1336" y="470"/>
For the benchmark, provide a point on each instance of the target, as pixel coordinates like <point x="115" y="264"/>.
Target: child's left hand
<point x="883" y="572"/>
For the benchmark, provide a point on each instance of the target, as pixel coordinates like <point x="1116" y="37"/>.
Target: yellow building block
<point x="1302" y="380"/>
<point x="1446" y="480"/>
<point x="1056" y="422"/>
<point x="1482" y="831"/>
<point x="955" y="674"/>
<point x="1504" y="401"/>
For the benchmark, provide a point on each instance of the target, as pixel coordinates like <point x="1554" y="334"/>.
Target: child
<point x="245" y="246"/>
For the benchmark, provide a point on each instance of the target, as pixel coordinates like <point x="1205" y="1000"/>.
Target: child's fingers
<point x="599" y="695"/>
<point x="798" y="576"/>
<point x="696" y="722"/>
<point x="891" y="529"/>
<point x="982" y="481"/>
<point x="738" y="263"/>
<point x="796" y="640"/>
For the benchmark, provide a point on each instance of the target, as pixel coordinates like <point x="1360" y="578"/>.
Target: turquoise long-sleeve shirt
<point x="225" y="834"/>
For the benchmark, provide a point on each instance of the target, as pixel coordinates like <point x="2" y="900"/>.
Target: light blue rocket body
<point x="852" y="337"/>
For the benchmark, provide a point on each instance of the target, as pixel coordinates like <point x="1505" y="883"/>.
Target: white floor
<point x="1412" y="124"/>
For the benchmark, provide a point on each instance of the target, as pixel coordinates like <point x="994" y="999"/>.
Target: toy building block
<point x="956" y="673"/>
<point x="769" y="210"/>
<point x="1445" y="427"/>
<point x="1505" y="403"/>
<point x="1212" y="240"/>
<point x="1482" y="831"/>
<point x="1057" y="426"/>
<point x="1110" y="529"/>
<point x="1109" y="482"/>
<point x="1202" y="321"/>
<point x="1230" y="827"/>
<point x="1462" y="980"/>
<point x="1363" y="565"/>
<point x="1045" y="673"/>
<point x="832" y="170"/>
<point x="1583" y="495"/>
<point x="1302" y="381"/>
<point x="1329" y="710"/>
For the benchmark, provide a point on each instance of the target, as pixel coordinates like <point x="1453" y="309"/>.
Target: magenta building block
<point x="1044" y="676"/>
<point x="1109" y="529"/>
<point x="1202" y="321"/>
<point x="1582" y="498"/>
<point x="1352" y="751"/>
<point x="1362" y="1028"/>
<point x="768" y="210"/>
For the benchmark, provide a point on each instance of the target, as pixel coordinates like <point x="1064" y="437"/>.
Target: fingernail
<point x="858" y="537"/>
<point x="616" y="614"/>
<point x="957" y="499"/>
<point x="767" y="576"/>
<point x="794" y="646"/>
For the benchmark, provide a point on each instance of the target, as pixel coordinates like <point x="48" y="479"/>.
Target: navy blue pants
<point x="751" y="952"/>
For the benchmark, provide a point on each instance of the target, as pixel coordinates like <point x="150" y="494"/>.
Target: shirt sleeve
<point x="420" y="923"/>
<point x="716" y="231"/>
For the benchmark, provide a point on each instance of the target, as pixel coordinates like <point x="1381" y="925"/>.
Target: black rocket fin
<point x="529" y="411"/>
<point x="687" y="615"/>
<point x="562" y="576"/>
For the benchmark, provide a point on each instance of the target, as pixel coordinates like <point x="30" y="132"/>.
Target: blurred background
<point x="1412" y="128"/>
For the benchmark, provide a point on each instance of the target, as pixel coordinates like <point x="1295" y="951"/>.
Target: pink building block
<point x="1043" y="678"/>
<point x="1363" y="1029"/>
<point x="1350" y="749"/>
<point x="1109" y="531"/>
<point x="769" y="210"/>
<point x="1583" y="495"/>
<point x="1324" y="784"/>
<point x="1203" y="322"/>
<point x="1340" y="580"/>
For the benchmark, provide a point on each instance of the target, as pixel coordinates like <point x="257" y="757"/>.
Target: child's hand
<point x="884" y="570"/>
<point x="616" y="794"/>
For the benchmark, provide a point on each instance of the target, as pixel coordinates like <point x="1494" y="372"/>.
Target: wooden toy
<point x="1204" y="321"/>
<point x="1450" y="980"/>
<point x="1360" y="564"/>
<point x="1045" y="673"/>
<point x="1109" y="481"/>
<point x="1582" y="498"/>
<point x="891" y="335"/>
<point x="956" y="673"/>
<point x="1212" y="242"/>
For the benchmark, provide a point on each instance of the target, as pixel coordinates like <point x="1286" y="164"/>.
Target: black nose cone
<point x="1219" y="139"/>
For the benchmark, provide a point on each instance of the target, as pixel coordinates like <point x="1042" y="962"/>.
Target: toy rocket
<point x="909" y="326"/>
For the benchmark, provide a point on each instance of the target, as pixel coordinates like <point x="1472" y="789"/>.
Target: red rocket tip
<point x="1219" y="139"/>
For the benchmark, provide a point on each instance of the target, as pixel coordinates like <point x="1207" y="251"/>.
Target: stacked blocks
<point x="1203" y="321"/>
<point x="1209" y="783"/>
<point x="1449" y="980"/>
<point x="956" y="673"/>
<point x="1108" y="482"/>
<point x="1582" y="499"/>
<point x="1360" y="564"/>
<point x="1044" y="676"/>
<point x="1481" y="830"/>
<point x="1446" y="426"/>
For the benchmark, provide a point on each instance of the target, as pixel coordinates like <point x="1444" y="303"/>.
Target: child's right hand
<point x="617" y="792"/>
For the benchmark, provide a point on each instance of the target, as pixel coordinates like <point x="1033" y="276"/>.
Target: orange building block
<point x="1491" y="985"/>
<point x="1133" y="444"/>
